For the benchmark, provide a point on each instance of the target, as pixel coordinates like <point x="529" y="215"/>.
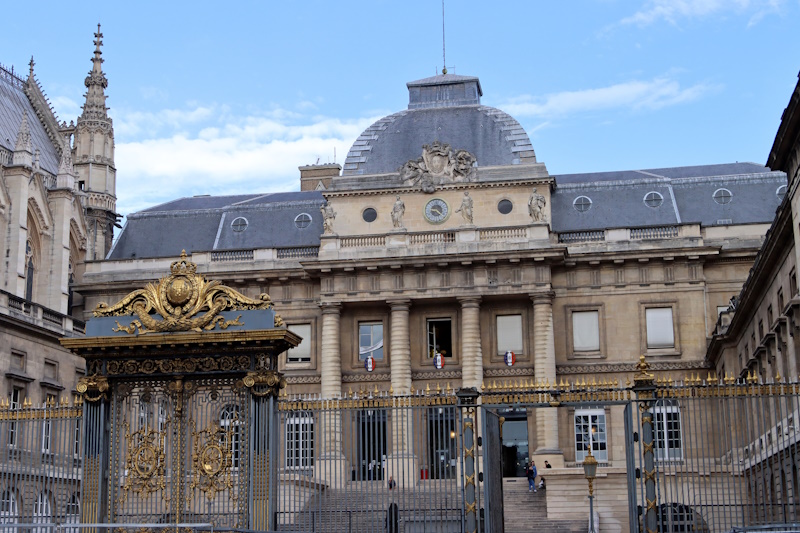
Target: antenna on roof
<point x="444" y="57"/>
<point x="334" y="155"/>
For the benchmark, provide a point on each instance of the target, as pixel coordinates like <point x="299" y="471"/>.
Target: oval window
<point x="303" y="220"/>
<point x="505" y="206"/>
<point x="369" y="215"/>
<point x="582" y="204"/>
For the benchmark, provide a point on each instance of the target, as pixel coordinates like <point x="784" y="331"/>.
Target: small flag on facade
<point x="369" y="363"/>
<point x="510" y="358"/>
<point x="438" y="360"/>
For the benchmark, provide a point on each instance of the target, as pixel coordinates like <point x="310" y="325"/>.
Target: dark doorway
<point x="372" y="443"/>
<point x="515" y="442"/>
<point x="442" y="442"/>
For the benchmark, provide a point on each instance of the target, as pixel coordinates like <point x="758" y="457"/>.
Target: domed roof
<point x="444" y="108"/>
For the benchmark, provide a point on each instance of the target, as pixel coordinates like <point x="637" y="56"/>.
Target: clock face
<point x="437" y="211"/>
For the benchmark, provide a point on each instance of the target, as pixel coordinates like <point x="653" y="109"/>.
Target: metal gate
<point x="180" y="454"/>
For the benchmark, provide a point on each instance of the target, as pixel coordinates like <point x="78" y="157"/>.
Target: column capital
<point x="331" y="308"/>
<point x="539" y="298"/>
<point x="399" y="303"/>
<point x="469" y="301"/>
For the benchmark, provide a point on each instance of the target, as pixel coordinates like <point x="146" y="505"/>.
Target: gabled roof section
<point x="14" y="103"/>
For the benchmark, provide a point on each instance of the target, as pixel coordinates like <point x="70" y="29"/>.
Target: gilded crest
<point x="185" y="301"/>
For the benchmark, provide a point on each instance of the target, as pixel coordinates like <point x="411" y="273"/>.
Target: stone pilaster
<point x="471" y="353"/>
<point x="331" y="364"/>
<point x="544" y="361"/>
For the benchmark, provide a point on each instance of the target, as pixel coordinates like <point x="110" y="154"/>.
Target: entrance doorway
<point x="515" y="442"/>
<point x="372" y="443"/>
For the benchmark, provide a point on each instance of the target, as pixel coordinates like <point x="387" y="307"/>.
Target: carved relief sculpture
<point x="328" y="216"/>
<point x="536" y="205"/>
<point x="439" y="164"/>
<point x="185" y="301"/>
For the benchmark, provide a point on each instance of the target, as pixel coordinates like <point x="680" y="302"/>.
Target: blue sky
<point x="215" y="98"/>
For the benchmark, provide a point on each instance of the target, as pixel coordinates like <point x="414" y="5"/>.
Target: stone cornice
<point x="401" y="189"/>
<point x="591" y="368"/>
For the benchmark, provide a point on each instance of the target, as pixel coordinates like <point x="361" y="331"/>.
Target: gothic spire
<point x="66" y="172"/>
<point x="96" y="82"/>
<point x="31" y="64"/>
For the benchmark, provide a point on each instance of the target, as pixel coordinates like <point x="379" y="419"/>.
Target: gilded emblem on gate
<point x="214" y="451"/>
<point x="185" y="301"/>
<point x="145" y="462"/>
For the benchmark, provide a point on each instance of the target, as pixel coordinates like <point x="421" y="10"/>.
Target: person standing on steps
<point x="532" y="477"/>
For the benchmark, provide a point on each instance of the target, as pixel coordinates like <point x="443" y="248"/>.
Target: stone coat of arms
<point x="439" y="164"/>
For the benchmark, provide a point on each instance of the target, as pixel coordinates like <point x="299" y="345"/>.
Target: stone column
<point x="544" y="361"/>
<point x="331" y="466"/>
<point x="401" y="461"/>
<point x="471" y="353"/>
<point x="400" y="355"/>
<point x="331" y="364"/>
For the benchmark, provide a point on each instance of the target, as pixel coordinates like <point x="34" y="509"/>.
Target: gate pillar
<point x="644" y="387"/>
<point x="467" y="403"/>
<point x="95" y="393"/>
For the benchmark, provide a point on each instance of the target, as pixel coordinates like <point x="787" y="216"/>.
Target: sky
<point x="231" y="97"/>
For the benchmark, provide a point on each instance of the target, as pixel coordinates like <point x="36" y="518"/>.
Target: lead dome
<point x="445" y="108"/>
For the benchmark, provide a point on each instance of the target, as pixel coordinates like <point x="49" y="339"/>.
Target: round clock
<point x="437" y="211"/>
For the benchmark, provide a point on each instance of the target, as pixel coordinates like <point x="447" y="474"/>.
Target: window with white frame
<point x="76" y="445"/>
<point x="299" y="440"/>
<point x="667" y="430"/>
<point x="590" y="434"/>
<point x="41" y="512"/>
<point x="370" y="340"/>
<point x="47" y="425"/>
<point x="509" y="334"/>
<point x="8" y="507"/>
<point x="440" y="337"/>
<point x="73" y="512"/>
<point x="15" y="402"/>
<point x="660" y="332"/>
<point x="586" y="331"/>
<point x="231" y="424"/>
<point x="301" y="353"/>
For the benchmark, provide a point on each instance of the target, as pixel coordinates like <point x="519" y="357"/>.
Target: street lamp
<point x="590" y="471"/>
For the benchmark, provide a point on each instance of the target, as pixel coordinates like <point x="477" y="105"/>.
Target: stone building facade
<point x="57" y="209"/>
<point x="443" y="244"/>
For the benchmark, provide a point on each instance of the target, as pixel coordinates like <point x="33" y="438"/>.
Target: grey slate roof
<point x="688" y="197"/>
<point x="491" y="135"/>
<point x="13" y="103"/>
<point x="204" y="223"/>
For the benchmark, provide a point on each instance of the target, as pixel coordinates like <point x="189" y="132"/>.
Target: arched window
<point x="230" y="423"/>
<point x="8" y="507"/>
<point x="42" y="512"/>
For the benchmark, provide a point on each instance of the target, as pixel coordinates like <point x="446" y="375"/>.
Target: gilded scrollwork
<point x="93" y="388"/>
<point x="264" y="382"/>
<point x="145" y="463"/>
<point x="212" y="460"/>
<point x="187" y="365"/>
<point x="184" y="300"/>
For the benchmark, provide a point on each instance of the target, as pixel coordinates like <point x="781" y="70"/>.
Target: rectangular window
<point x="509" y="334"/>
<point x="301" y="353"/>
<point x="780" y="300"/>
<point x="793" y="283"/>
<point x="15" y="402"/>
<point x="47" y="425"/>
<point x="667" y="431"/>
<point x="770" y="317"/>
<point x="586" y="331"/>
<point x="299" y="440"/>
<point x="440" y="337"/>
<point x="18" y="360"/>
<point x="660" y="333"/>
<point x="370" y="340"/>
<point x="76" y="445"/>
<point x="590" y="434"/>
<point x="51" y="370"/>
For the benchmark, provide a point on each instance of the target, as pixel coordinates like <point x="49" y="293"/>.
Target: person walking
<point x="532" y="477"/>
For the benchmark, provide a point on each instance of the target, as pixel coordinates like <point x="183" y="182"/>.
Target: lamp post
<point x="590" y="471"/>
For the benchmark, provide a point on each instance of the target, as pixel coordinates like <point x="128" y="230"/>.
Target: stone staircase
<point x="526" y="512"/>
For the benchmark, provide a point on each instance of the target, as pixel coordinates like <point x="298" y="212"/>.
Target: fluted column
<point x="471" y="353"/>
<point x="544" y="361"/>
<point x="400" y="355"/>
<point x="331" y="364"/>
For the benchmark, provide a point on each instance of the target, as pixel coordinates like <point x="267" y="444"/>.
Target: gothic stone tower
<point x="94" y="159"/>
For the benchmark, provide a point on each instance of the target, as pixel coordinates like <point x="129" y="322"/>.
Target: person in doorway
<point x="370" y="470"/>
<point x="392" y="483"/>
<point x="532" y="477"/>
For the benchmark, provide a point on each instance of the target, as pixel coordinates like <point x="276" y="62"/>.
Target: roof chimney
<point x="317" y="177"/>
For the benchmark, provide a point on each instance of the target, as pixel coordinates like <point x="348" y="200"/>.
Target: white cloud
<point x="657" y="93"/>
<point x="201" y="151"/>
<point x="673" y="11"/>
